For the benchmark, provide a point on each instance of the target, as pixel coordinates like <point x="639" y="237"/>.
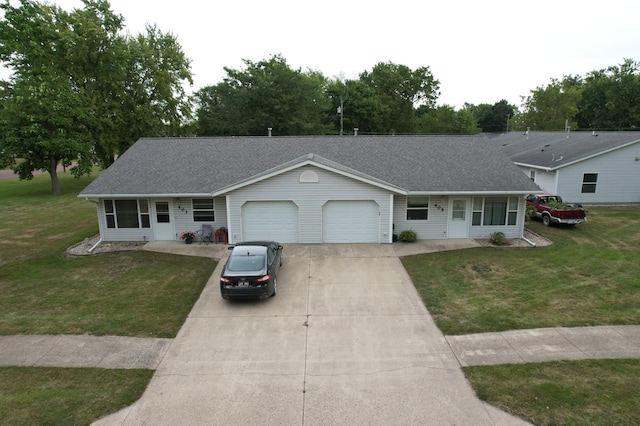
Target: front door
<point x="458" y="222"/>
<point x="164" y="221"/>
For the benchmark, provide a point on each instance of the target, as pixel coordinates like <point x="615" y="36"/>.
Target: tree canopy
<point x="270" y="94"/>
<point x="265" y="94"/>
<point x="80" y="91"/>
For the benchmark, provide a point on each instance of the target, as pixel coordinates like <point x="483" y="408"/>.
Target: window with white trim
<point x="494" y="211"/>
<point x="417" y="207"/>
<point x="589" y="183"/>
<point x="127" y="214"/>
<point x="203" y="210"/>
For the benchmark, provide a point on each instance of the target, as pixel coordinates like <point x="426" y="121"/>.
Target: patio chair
<point x="206" y="234"/>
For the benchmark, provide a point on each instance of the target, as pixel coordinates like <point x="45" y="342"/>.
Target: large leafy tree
<point x="444" y="119"/>
<point x="554" y="106"/>
<point x="264" y="94"/>
<point x="610" y="98"/>
<point x="81" y="92"/>
<point x="398" y="91"/>
<point x="492" y="118"/>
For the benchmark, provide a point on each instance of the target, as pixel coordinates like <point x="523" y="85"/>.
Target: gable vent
<point x="308" y="176"/>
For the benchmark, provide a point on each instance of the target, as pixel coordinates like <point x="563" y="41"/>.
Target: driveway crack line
<point x="306" y="342"/>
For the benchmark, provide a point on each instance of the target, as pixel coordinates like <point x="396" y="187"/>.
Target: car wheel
<point x="275" y="287"/>
<point x="546" y="220"/>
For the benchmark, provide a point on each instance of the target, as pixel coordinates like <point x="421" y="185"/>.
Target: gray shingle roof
<point x="554" y="150"/>
<point x="412" y="163"/>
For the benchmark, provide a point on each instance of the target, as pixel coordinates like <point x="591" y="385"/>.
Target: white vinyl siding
<point x="350" y="222"/>
<point x="618" y="177"/>
<point x="432" y="229"/>
<point x="310" y="197"/>
<point x="181" y="216"/>
<point x="514" y="218"/>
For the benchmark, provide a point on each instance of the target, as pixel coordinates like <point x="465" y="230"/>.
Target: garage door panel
<point x="350" y="222"/>
<point x="270" y="220"/>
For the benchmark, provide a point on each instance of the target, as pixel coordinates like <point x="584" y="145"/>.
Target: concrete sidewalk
<point x="508" y="347"/>
<point x="547" y="344"/>
<point x="82" y="351"/>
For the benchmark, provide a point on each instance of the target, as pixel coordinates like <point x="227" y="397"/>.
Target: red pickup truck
<point x="551" y="209"/>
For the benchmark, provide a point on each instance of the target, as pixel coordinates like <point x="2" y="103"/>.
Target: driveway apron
<point x="347" y="341"/>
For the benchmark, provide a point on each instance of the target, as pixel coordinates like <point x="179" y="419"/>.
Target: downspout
<point x="100" y="240"/>
<point x="95" y="245"/>
<point x="529" y="241"/>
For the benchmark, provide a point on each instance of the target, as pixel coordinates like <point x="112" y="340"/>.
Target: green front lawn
<point x="589" y="276"/>
<point x="66" y="396"/>
<point x="42" y="291"/>
<point x="592" y="392"/>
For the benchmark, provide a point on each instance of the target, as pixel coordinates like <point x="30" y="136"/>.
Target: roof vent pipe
<point x="568" y="131"/>
<point x="269" y="130"/>
<point x="355" y="131"/>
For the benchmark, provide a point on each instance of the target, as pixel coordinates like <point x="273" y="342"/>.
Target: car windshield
<point x="246" y="263"/>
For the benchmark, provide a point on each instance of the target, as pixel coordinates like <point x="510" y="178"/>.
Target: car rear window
<point x="246" y="263"/>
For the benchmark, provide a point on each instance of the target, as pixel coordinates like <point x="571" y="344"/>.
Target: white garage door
<point x="350" y="222"/>
<point x="270" y="220"/>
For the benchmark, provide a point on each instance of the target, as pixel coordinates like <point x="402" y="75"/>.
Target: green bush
<point x="408" y="236"/>
<point x="530" y="213"/>
<point x="497" y="238"/>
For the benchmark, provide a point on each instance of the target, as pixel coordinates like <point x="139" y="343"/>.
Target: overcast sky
<point x="480" y="51"/>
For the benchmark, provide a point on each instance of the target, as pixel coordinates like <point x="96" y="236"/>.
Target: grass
<point x="66" y="396"/>
<point x="42" y="291"/>
<point x="589" y="276"/>
<point x="593" y="392"/>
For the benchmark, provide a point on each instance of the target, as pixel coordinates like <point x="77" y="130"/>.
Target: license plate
<point x="243" y="283"/>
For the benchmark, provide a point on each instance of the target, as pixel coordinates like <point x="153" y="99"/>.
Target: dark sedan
<point x="251" y="270"/>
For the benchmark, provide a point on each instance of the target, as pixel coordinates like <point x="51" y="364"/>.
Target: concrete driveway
<point x="347" y="341"/>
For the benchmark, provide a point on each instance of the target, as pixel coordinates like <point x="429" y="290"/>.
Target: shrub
<point x="530" y="213"/>
<point x="408" y="236"/>
<point x="497" y="238"/>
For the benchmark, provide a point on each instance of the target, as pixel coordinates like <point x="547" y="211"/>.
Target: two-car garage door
<point x="342" y="222"/>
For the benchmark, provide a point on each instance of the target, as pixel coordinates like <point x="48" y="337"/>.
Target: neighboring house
<point x="312" y="190"/>
<point x="582" y="167"/>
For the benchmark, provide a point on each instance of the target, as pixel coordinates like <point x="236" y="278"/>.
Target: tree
<point x="80" y="92"/>
<point x="399" y="90"/>
<point x="492" y="118"/>
<point x="445" y="119"/>
<point x="610" y="98"/>
<point x="361" y="107"/>
<point x="553" y="106"/>
<point x="265" y="94"/>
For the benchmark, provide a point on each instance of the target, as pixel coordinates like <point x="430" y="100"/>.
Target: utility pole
<point x="341" y="113"/>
